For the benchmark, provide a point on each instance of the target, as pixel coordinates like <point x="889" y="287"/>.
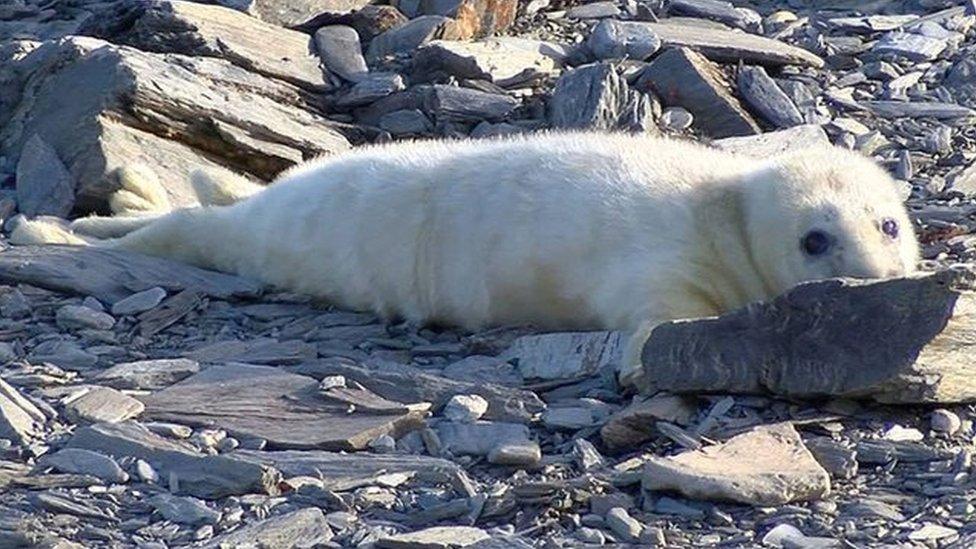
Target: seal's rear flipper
<point x="36" y="232"/>
<point x="140" y="192"/>
<point x="220" y="187"/>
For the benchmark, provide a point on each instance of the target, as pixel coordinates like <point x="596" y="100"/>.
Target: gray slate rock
<point x="771" y="347"/>
<point x="411" y="35"/>
<point x="437" y="537"/>
<point x="191" y="472"/>
<point x="292" y="13"/>
<point x="44" y="186"/>
<point x="20" y="420"/>
<point x="79" y="317"/>
<point x="506" y="61"/>
<point x="369" y="88"/>
<point x="729" y="46"/>
<point x="914" y="47"/>
<point x="766" y="98"/>
<point x="717" y="10"/>
<point x="455" y="104"/>
<point x="612" y="39"/>
<point x="148" y="374"/>
<point x="766" y="466"/>
<point x="770" y="144"/>
<point x="480" y="437"/>
<point x="304" y="528"/>
<point x="183" y="510"/>
<point x="564" y="354"/>
<point x="595" y="96"/>
<point x="103" y="404"/>
<point x="684" y="78"/>
<point x="338" y="46"/>
<point x="139" y="302"/>
<point x="85" y="462"/>
<point x="919" y="109"/>
<point x="624" y="526"/>
<point x="406" y="122"/>
<point x="593" y="10"/>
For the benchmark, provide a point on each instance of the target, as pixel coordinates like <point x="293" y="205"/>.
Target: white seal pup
<point x="564" y="231"/>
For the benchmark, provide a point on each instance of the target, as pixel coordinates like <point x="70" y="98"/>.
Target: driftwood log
<point x="906" y="340"/>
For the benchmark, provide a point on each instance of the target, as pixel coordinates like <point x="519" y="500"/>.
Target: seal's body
<point x="564" y="231"/>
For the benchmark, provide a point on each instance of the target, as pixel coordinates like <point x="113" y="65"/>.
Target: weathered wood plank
<point x="906" y="340"/>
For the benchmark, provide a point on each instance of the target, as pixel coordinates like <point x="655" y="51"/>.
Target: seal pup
<point x="564" y="230"/>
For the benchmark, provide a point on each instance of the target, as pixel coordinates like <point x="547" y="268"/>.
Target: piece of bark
<point x="192" y="473"/>
<point x="285" y="409"/>
<point x="404" y="383"/>
<point x="905" y="340"/>
<point x="684" y="78"/>
<point x="112" y="275"/>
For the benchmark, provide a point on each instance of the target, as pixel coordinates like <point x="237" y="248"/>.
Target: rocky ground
<point x="149" y="404"/>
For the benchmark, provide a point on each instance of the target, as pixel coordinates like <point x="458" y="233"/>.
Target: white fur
<point x="566" y="231"/>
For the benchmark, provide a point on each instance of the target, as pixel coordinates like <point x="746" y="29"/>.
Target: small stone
<point x="146" y="472"/>
<point x="228" y="444"/>
<point x="524" y="453"/>
<point x="612" y="39"/>
<point x="184" y="510"/>
<point x="913" y="47"/>
<point x="338" y="46"/>
<point x="601" y="504"/>
<point x="332" y="382"/>
<point x="20" y="420"/>
<point x="635" y="424"/>
<point x="897" y="433"/>
<point x="44" y="184"/>
<point x="465" y="408"/>
<point x="568" y="418"/>
<point x="413" y="34"/>
<point x="14" y="305"/>
<point x="676" y="119"/>
<point x="932" y="532"/>
<point x="103" y="405"/>
<point x="766" y="98"/>
<point x="139" y="302"/>
<point x="591" y="536"/>
<point x="85" y="462"/>
<point x="623" y="525"/>
<point x="593" y="10"/>
<point x="945" y="421"/>
<point x="371" y="87"/>
<point x="383" y="444"/>
<point x="76" y="317"/>
<point x="7" y="353"/>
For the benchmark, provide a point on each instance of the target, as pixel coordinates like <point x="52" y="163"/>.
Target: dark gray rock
<point x="44" y="186"/>
<point x="303" y="528"/>
<point x="339" y="48"/>
<point x="406" y="122"/>
<point x="85" y="462"/>
<point x="103" y="404"/>
<point x="914" y="47"/>
<point x="717" y="10"/>
<point x="148" y="374"/>
<point x="595" y="96"/>
<point x="369" y="88"/>
<point x="612" y="39"/>
<point x="186" y="470"/>
<point x="729" y="46"/>
<point x="139" y="302"/>
<point x="183" y="510"/>
<point x="20" y="420"/>
<point x="892" y="341"/>
<point x="413" y="34"/>
<point x="684" y="78"/>
<point x="454" y="104"/>
<point x="593" y="10"/>
<point x="766" y="98"/>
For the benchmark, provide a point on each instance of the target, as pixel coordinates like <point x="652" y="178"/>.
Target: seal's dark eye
<point x="815" y="243"/>
<point x="890" y="227"/>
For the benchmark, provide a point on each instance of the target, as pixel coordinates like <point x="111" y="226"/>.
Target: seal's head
<point x="826" y="213"/>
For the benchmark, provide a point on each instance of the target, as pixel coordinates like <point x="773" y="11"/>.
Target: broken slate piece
<point x="413" y="34"/>
<point x="919" y="109"/>
<point x="454" y="104"/>
<point x="564" y="354"/>
<point x="516" y="454"/>
<point x="19" y="418"/>
<point x="502" y="61"/>
<point x="731" y="46"/>
<point x="766" y="98"/>
<point x="103" y="404"/>
<point x="85" y="462"/>
<point x="285" y="409"/>
<point x="256" y="351"/>
<point x="770" y="144"/>
<point x="811" y="342"/>
<point x="766" y="466"/>
<point x="438" y="537"/>
<point x="634" y="425"/>
<point x="148" y="374"/>
<point x="613" y="39"/>
<point x="838" y="459"/>
<point x="44" y="185"/>
<point x="139" y="302"/>
<point x="192" y="473"/>
<point x="480" y="437"/>
<point x="303" y="528"/>
<point x="684" y="78"/>
<point x="112" y="275"/>
<point x="339" y="48"/>
<point x="341" y="472"/>
<point x="595" y="96"/>
<point x="369" y="88"/>
<point x="183" y="510"/>
<point x="79" y="317"/>
<point x="914" y="47"/>
<point x="717" y="10"/>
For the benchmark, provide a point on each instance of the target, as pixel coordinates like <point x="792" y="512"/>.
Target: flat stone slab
<point x="731" y="46"/>
<point x="112" y="275"/>
<point x="303" y="528"/>
<point x="766" y="466"/>
<point x="905" y="340"/>
<point x="770" y="144"/>
<point x="438" y="537"/>
<point x="285" y="409"/>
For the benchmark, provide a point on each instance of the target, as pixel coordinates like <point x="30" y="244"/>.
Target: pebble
<point x="465" y="408"/>
<point x="677" y="119"/>
<point x="139" y="302"/>
<point x="945" y="421"/>
<point x="184" y="510"/>
<point x="624" y="526"/>
<point x="383" y="444"/>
